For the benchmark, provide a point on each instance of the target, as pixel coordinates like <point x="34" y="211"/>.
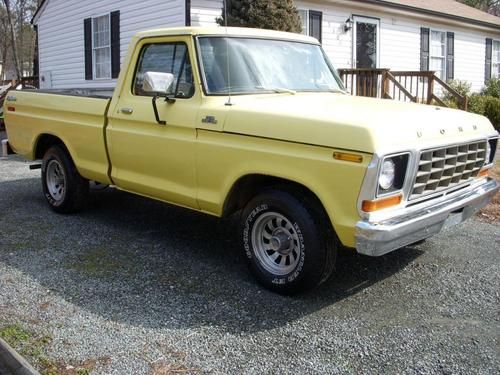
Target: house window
<point x="495" y="59"/>
<point x="311" y="23"/>
<point x="304" y="17"/>
<point x="438" y="53"/>
<point x="101" y="47"/>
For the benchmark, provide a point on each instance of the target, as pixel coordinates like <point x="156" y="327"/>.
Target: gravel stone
<point x="142" y="287"/>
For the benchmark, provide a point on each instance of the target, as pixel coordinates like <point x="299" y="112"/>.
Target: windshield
<point x="245" y="65"/>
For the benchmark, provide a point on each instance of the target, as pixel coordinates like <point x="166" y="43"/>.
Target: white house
<point x="81" y="43"/>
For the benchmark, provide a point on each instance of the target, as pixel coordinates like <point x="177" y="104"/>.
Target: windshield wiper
<point x="338" y="91"/>
<point x="278" y="90"/>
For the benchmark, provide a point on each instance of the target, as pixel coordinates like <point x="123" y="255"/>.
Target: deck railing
<point x="419" y="87"/>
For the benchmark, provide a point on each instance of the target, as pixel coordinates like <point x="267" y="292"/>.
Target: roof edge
<point x="38" y="12"/>
<point x="431" y="12"/>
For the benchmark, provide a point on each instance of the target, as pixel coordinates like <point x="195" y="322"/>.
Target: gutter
<point x="39" y="10"/>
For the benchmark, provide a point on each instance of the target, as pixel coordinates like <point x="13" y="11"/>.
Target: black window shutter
<point x="188" y="12"/>
<point x="87" y="32"/>
<point x="315" y="20"/>
<point x="424" y="49"/>
<point x="115" y="44"/>
<point x="487" y="60"/>
<point x="450" y="56"/>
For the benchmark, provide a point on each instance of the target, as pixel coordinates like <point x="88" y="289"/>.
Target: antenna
<point x="228" y="103"/>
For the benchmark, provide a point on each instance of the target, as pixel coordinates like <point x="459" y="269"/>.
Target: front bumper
<point x="378" y="238"/>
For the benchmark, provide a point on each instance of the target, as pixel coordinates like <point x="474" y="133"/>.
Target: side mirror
<point x="158" y="83"/>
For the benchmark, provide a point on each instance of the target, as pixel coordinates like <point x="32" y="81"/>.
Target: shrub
<point x="462" y="87"/>
<point x="492" y="111"/>
<point x="488" y="106"/>
<point x="492" y="88"/>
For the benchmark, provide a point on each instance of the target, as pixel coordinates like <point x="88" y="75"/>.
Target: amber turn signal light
<point x="345" y="156"/>
<point x="379" y="204"/>
<point x="483" y="173"/>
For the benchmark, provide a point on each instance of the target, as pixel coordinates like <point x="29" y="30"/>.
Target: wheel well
<point x="249" y="186"/>
<point x="46" y="141"/>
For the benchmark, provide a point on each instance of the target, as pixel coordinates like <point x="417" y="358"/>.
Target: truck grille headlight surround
<point x="491" y="149"/>
<point x="392" y="174"/>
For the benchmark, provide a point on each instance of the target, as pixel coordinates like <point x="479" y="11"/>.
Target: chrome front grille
<point x="447" y="167"/>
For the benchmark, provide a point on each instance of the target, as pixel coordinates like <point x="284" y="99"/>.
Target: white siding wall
<point x="61" y="24"/>
<point x="204" y="12"/>
<point x="336" y="43"/>
<point x="400" y="42"/>
<point x="399" y="38"/>
<point x="61" y="38"/>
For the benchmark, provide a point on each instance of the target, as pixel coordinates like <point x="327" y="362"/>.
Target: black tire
<point x="65" y="190"/>
<point x="300" y="230"/>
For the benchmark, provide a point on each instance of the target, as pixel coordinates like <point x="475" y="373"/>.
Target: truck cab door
<point x="156" y="159"/>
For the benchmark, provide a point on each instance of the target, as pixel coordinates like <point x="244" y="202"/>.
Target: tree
<point x="10" y="22"/>
<point x="279" y="15"/>
<point x="4" y="41"/>
<point x="17" y="41"/>
<point x="490" y="6"/>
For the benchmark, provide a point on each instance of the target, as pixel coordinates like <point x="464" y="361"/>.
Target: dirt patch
<point x="491" y="213"/>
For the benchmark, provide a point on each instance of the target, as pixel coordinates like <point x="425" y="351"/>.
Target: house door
<point x="366" y="42"/>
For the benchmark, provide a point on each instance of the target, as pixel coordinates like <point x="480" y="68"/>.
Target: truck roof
<point x="231" y="31"/>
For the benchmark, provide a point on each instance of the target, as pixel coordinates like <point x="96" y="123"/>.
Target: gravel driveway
<point x="132" y="286"/>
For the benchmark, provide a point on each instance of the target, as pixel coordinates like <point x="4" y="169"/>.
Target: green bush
<point x="492" y="88"/>
<point x="462" y="87"/>
<point x="488" y="106"/>
<point x="492" y="111"/>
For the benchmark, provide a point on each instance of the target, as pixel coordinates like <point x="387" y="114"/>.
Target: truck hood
<point x="353" y="123"/>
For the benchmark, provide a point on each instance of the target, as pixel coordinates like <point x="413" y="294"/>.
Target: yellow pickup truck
<point x="257" y="122"/>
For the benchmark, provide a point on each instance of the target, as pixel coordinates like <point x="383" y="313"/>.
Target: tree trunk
<point x="13" y="39"/>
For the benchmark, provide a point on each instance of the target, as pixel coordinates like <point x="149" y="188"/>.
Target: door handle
<point x="126" y="111"/>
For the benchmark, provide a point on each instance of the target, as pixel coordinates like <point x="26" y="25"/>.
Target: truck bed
<point x="99" y="93"/>
<point x="76" y="116"/>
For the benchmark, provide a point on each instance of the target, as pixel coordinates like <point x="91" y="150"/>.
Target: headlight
<point x="392" y="173"/>
<point x="387" y="174"/>
<point x="488" y="152"/>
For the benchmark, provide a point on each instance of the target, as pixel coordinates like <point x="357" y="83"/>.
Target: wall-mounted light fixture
<point x="348" y="24"/>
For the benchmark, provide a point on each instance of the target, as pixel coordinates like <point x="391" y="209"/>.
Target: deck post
<point x="430" y="88"/>
<point x="385" y="84"/>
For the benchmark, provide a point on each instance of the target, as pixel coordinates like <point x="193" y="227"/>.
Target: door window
<point x="169" y="60"/>
<point x="366" y="43"/>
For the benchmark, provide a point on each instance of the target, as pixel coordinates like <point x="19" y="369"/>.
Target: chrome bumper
<point x="378" y="238"/>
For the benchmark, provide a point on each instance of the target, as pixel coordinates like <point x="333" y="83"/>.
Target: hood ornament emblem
<point x="442" y="131"/>
<point x="419" y="134"/>
<point x="460" y="129"/>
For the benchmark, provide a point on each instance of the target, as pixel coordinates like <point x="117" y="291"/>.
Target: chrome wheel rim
<point x="276" y="243"/>
<point x="56" y="180"/>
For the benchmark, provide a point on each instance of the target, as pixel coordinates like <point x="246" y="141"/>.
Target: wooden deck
<point x="419" y="87"/>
